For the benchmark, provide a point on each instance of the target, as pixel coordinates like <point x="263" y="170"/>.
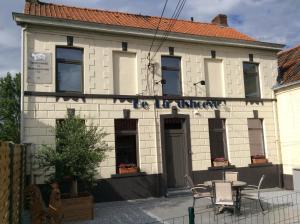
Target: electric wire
<point x="162" y="13"/>
<point x="173" y="20"/>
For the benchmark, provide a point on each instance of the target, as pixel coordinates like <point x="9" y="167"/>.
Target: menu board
<point x="39" y="68"/>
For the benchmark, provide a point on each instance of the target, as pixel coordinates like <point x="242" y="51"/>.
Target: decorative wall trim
<point x="132" y="97"/>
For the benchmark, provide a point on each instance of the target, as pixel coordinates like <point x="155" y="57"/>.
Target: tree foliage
<point x="10" y="95"/>
<point x="78" y="152"/>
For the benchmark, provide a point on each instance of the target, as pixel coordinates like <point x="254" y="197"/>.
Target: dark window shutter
<point x="256" y="137"/>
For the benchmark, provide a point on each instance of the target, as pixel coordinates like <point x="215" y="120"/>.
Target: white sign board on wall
<point x="39" y="68"/>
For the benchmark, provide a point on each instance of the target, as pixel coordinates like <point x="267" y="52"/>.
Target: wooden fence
<point x="12" y="172"/>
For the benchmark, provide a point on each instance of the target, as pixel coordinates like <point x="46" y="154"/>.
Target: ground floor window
<point x="218" y="143"/>
<point x="126" y="145"/>
<point x="256" y="139"/>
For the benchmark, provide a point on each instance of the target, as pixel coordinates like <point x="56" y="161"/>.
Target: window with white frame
<point x="171" y="76"/>
<point x="251" y="80"/>
<point x="217" y="139"/>
<point x="69" y="69"/>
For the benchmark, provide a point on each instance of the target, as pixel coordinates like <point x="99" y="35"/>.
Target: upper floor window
<point x="171" y="76"/>
<point x="69" y="69"/>
<point x="251" y="80"/>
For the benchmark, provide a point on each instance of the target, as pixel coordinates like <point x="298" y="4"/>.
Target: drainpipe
<point x="22" y="84"/>
<point x="277" y="141"/>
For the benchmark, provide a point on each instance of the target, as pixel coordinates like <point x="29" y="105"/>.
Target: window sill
<point x="253" y="165"/>
<point x="221" y="167"/>
<point x="128" y="175"/>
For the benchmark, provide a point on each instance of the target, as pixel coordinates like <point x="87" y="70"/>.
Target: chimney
<point x="220" y="20"/>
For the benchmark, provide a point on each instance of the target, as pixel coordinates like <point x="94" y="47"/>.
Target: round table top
<point x="234" y="183"/>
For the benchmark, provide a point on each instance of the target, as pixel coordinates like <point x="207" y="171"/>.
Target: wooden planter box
<point x="220" y="163"/>
<point x="79" y="208"/>
<point x="123" y="170"/>
<point x="259" y="160"/>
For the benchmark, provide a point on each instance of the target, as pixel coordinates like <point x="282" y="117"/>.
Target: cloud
<point x="266" y="20"/>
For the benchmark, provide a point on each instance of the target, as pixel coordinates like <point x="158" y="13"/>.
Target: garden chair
<point x="257" y="189"/>
<point x="199" y="190"/>
<point x="231" y="176"/>
<point x="223" y="195"/>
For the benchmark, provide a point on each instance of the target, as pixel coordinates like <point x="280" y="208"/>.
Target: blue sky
<point x="266" y="20"/>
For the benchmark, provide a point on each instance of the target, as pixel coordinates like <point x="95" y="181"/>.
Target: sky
<point x="276" y="21"/>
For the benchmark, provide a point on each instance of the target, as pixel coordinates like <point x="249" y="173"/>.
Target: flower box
<point x="259" y="159"/>
<point x="220" y="162"/>
<point x="128" y="168"/>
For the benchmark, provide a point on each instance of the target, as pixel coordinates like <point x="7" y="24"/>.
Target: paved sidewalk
<point x="155" y="209"/>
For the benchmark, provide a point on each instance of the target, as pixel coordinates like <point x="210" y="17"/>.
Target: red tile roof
<point x="131" y="20"/>
<point x="289" y="65"/>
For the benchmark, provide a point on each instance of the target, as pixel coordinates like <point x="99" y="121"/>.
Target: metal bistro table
<point x="236" y="185"/>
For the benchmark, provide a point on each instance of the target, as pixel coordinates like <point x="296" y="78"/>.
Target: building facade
<point x="287" y="92"/>
<point x="203" y="98"/>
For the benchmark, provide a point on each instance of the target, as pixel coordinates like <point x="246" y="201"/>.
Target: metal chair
<point x="198" y="191"/>
<point x="223" y="195"/>
<point x="231" y="176"/>
<point x="257" y="188"/>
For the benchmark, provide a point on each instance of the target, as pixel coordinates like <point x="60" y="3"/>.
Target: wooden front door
<point x="176" y="153"/>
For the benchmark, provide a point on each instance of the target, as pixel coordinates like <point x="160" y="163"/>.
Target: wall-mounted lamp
<point x="162" y="81"/>
<point x="202" y="83"/>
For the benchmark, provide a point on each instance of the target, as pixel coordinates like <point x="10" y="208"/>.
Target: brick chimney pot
<point x="220" y="20"/>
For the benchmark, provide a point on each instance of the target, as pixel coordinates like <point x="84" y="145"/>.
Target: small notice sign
<point x="39" y="68"/>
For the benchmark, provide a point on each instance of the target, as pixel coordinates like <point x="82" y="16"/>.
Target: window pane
<point x="251" y="80"/>
<point x="171" y="62"/>
<point x="250" y="68"/>
<point x="69" y="77"/>
<point x="217" y="138"/>
<point x="126" y="149"/>
<point x="172" y="85"/>
<point x="69" y="54"/>
<point x="251" y="85"/>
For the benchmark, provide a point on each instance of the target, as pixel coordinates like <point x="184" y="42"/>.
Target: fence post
<point x="191" y="215"/>
<point x="22" y="167"/>
<point x="11" y="178"/>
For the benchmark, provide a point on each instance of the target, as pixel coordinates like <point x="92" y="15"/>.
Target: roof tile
<point x="289" y="65"/>
<point x="131" y="20"/>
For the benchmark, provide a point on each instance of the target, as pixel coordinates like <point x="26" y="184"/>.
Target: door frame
<point x="188" y="157"/>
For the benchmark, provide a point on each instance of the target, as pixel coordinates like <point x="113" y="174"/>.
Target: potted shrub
<point x="259" y="159"/>
<point x="79" y="150"/>
<point x="128" y="168"/>
<point x="220" y="162"/>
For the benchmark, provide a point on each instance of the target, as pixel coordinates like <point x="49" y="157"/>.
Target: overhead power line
<point x="162" y="13"/>
<point x="172" y="22"/>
